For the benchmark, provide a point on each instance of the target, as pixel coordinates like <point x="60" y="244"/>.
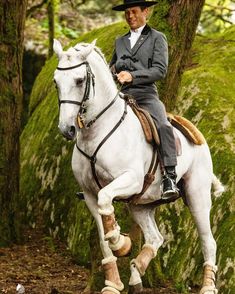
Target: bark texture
<point x="51" y="23"/>
<point x="178" y="19"/>
<point x="12" y="18"/>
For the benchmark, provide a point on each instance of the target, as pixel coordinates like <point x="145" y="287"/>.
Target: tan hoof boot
<point x="208" y="286"/>
<point x="125" y="248"/>
<point x="109" y="290"/>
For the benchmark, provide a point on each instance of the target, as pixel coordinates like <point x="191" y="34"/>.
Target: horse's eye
<point x="79" y="81"/>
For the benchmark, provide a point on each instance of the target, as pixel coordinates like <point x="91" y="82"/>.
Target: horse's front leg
<point x="113" y="283"/>
<point x="145" y="217"/>
<point x="125" y="185"/>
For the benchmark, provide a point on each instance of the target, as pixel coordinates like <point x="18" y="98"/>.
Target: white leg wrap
<point x="109" y="259"/>
<point x="119" y="244"/>
<point x="114" y="234"/>
<point x="214" y="267"/>
<point x="154" y="250"/>
<point x="113" y="285"/>
<point x="135" y="276"/>
<point x="106" y="210"/>
<point x="110" y="289"/>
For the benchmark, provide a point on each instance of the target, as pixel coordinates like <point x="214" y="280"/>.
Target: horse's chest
<point x="86" y="172"/>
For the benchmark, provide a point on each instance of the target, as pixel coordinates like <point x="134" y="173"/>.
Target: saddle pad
<point x="188" y="129"/>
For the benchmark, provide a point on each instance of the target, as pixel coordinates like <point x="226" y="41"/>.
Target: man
<point x="140" y="59"/>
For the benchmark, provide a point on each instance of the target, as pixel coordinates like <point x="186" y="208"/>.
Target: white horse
<point x="111" y="158"/>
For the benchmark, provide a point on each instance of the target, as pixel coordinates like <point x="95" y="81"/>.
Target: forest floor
<point x="43" y="266"/>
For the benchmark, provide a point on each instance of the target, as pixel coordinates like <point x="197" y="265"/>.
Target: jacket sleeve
<point x="159" y="63"/>
<point x="113" y="59"/>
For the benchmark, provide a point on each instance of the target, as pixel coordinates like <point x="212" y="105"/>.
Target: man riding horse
<point x="140" y="59"/>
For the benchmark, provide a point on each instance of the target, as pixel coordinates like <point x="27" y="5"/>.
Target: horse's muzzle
<point x="69" y="132"/>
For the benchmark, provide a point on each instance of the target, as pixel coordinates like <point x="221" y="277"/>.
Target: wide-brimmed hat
<point x="131" y="3"/>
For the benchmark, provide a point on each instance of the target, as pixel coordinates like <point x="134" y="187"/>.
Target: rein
<point x="149" y="177"/>
<point x="82" y="110"/>
<point x="93" y="158"/>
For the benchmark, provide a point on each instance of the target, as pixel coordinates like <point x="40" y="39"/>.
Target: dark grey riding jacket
<point x="147" y="61"/>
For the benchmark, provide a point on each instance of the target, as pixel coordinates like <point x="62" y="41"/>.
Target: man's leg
<point x="167" y="149"/>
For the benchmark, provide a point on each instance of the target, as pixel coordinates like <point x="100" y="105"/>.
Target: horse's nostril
<point x="72" y="131"/>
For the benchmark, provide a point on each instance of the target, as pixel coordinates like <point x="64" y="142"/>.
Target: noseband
<point x="89" y="79"/>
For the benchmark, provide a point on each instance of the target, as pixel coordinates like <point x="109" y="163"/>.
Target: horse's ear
<point x="94" y="43"/>
<point x="88" y="49"/>
<point x="57" y="48"/>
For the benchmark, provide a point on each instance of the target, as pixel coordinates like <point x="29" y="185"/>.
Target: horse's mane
<point x="93" y="57"/>
<point x="96" y="49"/>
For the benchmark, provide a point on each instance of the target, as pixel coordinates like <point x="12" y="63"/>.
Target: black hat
<point x="131" y="3"/>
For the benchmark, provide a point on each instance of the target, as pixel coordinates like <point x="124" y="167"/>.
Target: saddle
<point x="187" y="128"/>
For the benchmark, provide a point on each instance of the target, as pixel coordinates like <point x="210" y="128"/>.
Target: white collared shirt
<point x="135" y="34"/>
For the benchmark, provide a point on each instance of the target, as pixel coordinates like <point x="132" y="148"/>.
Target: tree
<point x="178" y="20"/>
<point x="12" y="19"/>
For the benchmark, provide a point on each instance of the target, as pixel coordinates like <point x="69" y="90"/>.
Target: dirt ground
<point x="45" y="267"/>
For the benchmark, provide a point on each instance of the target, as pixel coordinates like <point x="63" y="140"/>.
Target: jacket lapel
<point x="144" y="35"/>
<point x="126" y="41"/>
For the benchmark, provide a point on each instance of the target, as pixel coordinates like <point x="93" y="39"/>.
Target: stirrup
<point x="170" y="191"/>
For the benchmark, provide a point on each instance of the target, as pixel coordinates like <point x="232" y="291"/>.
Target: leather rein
<point x="80" y="116"/>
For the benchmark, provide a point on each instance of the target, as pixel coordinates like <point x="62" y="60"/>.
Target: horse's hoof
<point x="208" y="290"/>
<point x="109" y="290"/>
<point x="125" y="249"/>
<point x="135" y="289"/>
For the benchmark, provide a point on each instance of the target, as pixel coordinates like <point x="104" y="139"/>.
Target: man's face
<point x="136" y="17"/>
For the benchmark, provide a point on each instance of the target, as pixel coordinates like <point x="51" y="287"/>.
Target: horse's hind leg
<point x="199" y="201"/>
<point x="144" y="217"/>
<point x="113" y="282"/>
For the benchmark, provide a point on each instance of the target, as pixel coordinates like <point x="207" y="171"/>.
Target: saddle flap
<point x="146" y="121"/>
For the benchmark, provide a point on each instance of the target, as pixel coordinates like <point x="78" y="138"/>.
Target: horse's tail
<point x="218" y="188"/>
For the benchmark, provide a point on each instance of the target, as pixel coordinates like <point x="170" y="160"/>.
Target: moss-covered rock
<point x="48" y="186"/>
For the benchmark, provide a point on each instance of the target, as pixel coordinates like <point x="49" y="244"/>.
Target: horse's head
<point x="74" y="82"/>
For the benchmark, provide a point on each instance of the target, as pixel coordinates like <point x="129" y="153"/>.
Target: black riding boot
<point x="169" y="188"/>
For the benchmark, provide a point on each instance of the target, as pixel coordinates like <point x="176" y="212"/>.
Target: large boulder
<point x="48" y="187"/>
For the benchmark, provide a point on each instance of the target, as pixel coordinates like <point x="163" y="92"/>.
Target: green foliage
<point x="217" y="16"/>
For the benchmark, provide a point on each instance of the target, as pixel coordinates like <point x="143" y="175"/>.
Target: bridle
<point x="90" y="79"/>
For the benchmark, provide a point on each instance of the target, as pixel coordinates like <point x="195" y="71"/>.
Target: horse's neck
<point x="105" y="88"/>
<point x="105" y="91"/>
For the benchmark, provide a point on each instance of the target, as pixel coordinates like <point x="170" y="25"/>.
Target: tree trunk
<point x="178" y="19"/>
<point x="51" y="25"/>
<point x="12" y="19"/>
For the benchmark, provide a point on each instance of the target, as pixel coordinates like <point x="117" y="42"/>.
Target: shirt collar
<point x="138" y="31"/>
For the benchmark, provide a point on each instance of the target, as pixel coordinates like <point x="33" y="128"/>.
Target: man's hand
<point x="124" y="77"/>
